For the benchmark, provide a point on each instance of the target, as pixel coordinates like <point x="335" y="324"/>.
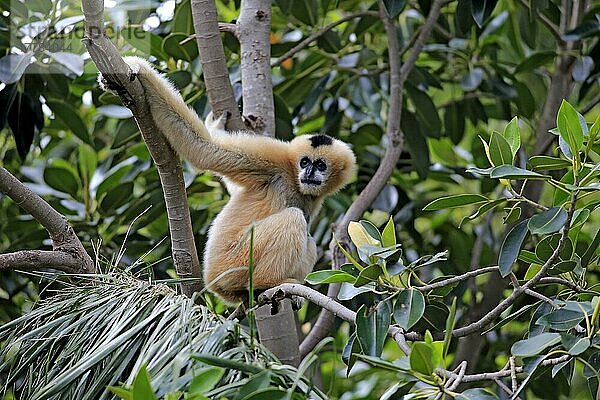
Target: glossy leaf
<point x="206" y="380"/>
<point x="573" y="344"/>
<point x="569" y="126"/>
<point x="409" y="308"/>
<point x="62" y="179"/>
<point x="454" y="201"/>
<point x="394" y="7"/>
<point x="548" y="221"/>
<point x="360" y="236"/>
<point x="367" y="275"/>
<point x="561" y="320"/>
<point x="500" y="151"/>
<point x="421" y="358"/>
<point x="512" y="135"/>
<point x="511" y="246"/>
<point x="371" y="329"/>
<point x="329" y="276"/>
<point x="388" y="236"/>
<point x="534" y="345"/>
<point x="512" y="172"/>
<point x="141" y="388"/>
<point x="548" y="163"/>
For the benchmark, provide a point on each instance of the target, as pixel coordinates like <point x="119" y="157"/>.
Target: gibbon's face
<point x="323" y="164"/>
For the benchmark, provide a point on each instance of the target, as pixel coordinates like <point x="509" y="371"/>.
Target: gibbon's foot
<point x="213" y="124"/>
<point x="297" y="302"/>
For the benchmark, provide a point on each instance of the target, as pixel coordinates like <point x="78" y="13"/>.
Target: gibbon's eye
<point x="320" y="165"/>
<point x="304" y="162"/>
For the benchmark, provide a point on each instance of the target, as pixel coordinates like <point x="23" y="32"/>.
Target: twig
<point x="561" y="281"/>
<point x="398" y="76"/>
<point x="493" y="314"/>
<point x="593" y="103"/>
<point x="513" y="374"/>
<point x="315" y="35"/>
<point x="68" y="251"/>
<point x="504" y="387"/>
<point x="288" y="290"/>
<point x="454" y="279"/>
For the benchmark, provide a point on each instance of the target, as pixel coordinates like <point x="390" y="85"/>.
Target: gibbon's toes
<point x="297" y="302"/>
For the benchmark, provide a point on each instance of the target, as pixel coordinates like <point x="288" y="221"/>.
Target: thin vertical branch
<point x="214" y="63"/>
<point x="254" y="30"/>
<point x="398" y="76"/>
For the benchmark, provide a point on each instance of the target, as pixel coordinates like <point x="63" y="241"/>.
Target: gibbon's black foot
<point x="297" y="302"/>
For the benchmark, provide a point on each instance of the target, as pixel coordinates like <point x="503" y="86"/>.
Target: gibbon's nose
<point x="309" y="171"/>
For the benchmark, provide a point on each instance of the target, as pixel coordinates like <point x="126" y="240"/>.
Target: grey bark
<point x="68" y="253"/>
<point x="114" y="69"/>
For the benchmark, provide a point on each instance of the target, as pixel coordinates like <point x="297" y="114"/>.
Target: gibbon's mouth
<point x="311" y="182"/>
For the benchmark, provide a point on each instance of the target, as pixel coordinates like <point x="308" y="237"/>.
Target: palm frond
<point x="100" y="332"/>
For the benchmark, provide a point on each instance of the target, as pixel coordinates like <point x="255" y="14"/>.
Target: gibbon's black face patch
<point x="320" y="140"/>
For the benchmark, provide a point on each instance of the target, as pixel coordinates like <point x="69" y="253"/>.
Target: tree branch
<point x="254" y="28"/>
<point x="214" y="64"/>
<point x="287" y="290"/>
<point x="68" y="252"/>
<point x="315" y="35"/>
<point x="114" y="69"/>
<point x="395" y="139"/>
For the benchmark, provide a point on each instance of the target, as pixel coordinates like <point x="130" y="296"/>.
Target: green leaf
<point x="534" y="345"/>
<point x="141" y="388"/>
<point x="426" y="112"/>
<point x="535" y="60"/>
<point x="450" y="322"/>
<point x="549" y="221"/>
<point x="182" y="19"/>
<point x="371" y="229"/>
<point x="547" y="163"/>
<point x="509" y="251"/>
<point x="569" y="127"/>
<point x="62" y="179"/>
<point x="369" y="274"/>
<point x="409" y="308"/>
<point x="573" y="344"/>
<point x="388" y="236"/>
<point x="454" y="201"/>
<point x="177" y="46"/>
<point x="268" y="394"/>
<point x="562" y="267"/>
<point x="500" y="151"/>
<point x="124" y="394"/>
<point x="482" y="210"/>
<point x="561" y="320"/>
<point x="70" y="119"/>
<point x="144" y="41"/>
<point x="512" y="135"/>
<point x="394" y="7"/>
<point x="512" y="172"/>
<point x="117" y="197"/>
<point x="88" y="159"/>
<point x="421" y="358"/>
<point x="547" y="246"/>
<point x="206" y="380"/>
<point x="371" y="329"/>
<point x="329" y="276"/>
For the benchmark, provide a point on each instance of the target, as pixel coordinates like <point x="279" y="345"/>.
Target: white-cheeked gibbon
<point x="274" y="185"/>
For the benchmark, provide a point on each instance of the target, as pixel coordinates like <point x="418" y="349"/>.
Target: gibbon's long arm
<point x="241" y="157"/>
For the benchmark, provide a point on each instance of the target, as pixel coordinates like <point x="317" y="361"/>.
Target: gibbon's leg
<point x="282" y="249"/>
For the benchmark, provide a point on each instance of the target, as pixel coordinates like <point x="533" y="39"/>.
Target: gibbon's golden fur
<point x="277" y="186"/>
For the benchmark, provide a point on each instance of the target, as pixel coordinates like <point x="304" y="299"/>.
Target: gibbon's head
<point x="323" y="164"/>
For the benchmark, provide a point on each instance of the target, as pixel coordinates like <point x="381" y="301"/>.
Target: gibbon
<point x="275" y="186"/>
